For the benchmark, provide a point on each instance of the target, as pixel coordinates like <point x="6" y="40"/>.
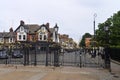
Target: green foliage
<point x="114" y="31"/>
<point x="82" y="42"/>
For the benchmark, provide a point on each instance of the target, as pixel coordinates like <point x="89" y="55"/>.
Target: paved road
<point x="20" y="72"/>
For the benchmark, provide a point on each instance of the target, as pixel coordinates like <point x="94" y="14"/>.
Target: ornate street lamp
<point x="107" y="53"/>
<point x="106" y="29"/>
<point x="56" y="51"/>
<point x="56" y="28"/>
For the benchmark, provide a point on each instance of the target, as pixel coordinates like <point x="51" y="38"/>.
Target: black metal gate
<point x="44" y="53"/>
<point x="81" y="58"/>
<point x="69" y="59"/>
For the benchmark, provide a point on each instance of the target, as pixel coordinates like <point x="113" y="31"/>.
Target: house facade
<point x="87" y="42"/>
<point x="66" y="42"/>
<point x="7" y="37"/>
<point x="33" y="32"/>
<point x="36" y="33"/>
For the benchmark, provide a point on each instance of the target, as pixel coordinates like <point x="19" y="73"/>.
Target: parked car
<point x="3" y="55"/>
<point x="17" y="54"/>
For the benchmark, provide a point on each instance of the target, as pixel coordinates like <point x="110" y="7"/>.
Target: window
<point x="40" y="37"/>
<point x="45" y="37"/>
<point x="23" y="37"/>
<point x="2" y="40"/>
<point x="11" y="39"/>
<point x="19" y="37"/>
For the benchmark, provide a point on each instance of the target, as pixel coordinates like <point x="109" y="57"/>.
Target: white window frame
<point x="19" y="37"/>
<point x="22" y="36"/>
<point x="10" y="40"/>
<point x="42" y="38"/>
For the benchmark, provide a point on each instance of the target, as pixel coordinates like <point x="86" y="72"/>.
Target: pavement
<point x="19" y="72"/>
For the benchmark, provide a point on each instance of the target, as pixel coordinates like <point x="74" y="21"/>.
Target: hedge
<point x="115" y="53"/>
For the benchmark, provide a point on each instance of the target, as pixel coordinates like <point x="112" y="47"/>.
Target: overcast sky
<point x="74" y="17"/>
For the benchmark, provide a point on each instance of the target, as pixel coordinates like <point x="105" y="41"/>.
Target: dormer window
<point x="21" y="35"/>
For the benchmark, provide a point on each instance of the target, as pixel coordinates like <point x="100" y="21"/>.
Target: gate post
<point x="56" y="58"/>
<point x="80" y="60"/>
<point x="27" y="55"/>
<point x="35" y="55"/>
<point x="24" y="49"/>
<point x="47" y="50"/>
<point x="75" y="57"/>
<point x="107" y="59"/>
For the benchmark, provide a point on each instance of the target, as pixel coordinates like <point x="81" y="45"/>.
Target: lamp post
<point x="56" y="55"/>
<point x="107" y="53"/>
<point x="95" y="15"/>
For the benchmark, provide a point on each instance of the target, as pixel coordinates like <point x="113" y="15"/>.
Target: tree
<point x="114" y="30"/>
<point x="82" y="42"/>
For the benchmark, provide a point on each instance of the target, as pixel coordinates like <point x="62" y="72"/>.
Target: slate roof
<point x="32" y="28"/>
<point x="1" y="35"/>
<point x="7" y="34"/>
<point x="51" y="30"/>
<point x="11" y="34"/>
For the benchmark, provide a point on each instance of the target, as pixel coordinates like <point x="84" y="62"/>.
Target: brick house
<point x="66" y="42"/>
<point x="87" y="42"/>
<point x="7" y="37"/>
<point x="34" y="32"/>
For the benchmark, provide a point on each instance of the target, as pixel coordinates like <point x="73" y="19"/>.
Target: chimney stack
<point x="11" y="29"/>
<point x="22" y="23"/>
<point x="47" y="24"/>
